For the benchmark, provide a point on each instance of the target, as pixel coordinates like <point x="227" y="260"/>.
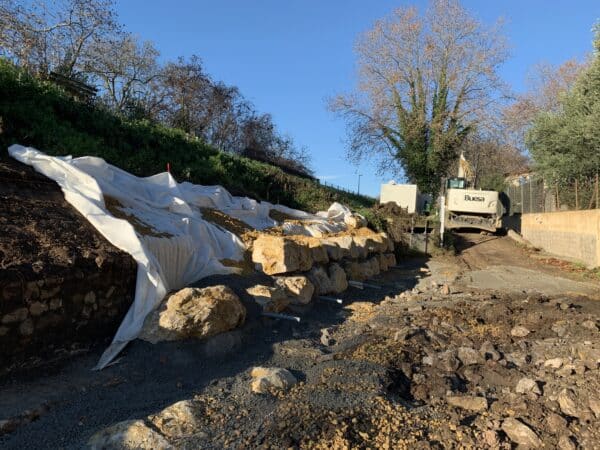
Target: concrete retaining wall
<point x="570" y="234"/>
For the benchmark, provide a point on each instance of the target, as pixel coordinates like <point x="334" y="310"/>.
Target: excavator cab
<point x="456" y="183"/>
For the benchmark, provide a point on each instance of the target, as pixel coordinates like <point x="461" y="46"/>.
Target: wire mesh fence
<point x="533" y="194"/>
<point x="343" y="189"/>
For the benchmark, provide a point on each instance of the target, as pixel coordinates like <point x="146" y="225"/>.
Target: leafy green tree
<point x="566" y="143"/>
<point x="424" y="84"/>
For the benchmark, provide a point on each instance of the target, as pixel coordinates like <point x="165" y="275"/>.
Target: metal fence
<point x="533" y="194"/>
<point x="343" y="189"/>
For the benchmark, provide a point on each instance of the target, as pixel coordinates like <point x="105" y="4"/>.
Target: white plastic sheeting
<point x="189" y="248"/>
<point x="173" y="246"/>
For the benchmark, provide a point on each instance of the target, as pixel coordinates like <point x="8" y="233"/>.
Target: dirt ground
<point x="46" y="249"/>
<point x="38" y="225"/>
<point x="448" y="353"/>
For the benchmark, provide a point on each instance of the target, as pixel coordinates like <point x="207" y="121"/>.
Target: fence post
<point x="596" y="190"/>
<point x="531" y="209"/>
<point x="576" y="194"/>
<point x="522" y="202"/>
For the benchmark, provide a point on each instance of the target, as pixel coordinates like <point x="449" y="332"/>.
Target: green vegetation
<point x="565" y="143"/>
<point x="39" y="114"/>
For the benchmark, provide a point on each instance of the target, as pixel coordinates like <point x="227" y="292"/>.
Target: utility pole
<point x="358" y="191"/>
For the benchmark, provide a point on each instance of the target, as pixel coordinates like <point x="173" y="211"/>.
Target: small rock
<point x="566" y="371"/>
<point x="130" y="434"/>
<point x="519" y="331"/>
<point x="468" y="356"/>
<point x="527" y="385"/>
<point x="468" y="402"/>
<point x="472" y="376"/>
<point x="517" y="358"/>
<point x="271" y="299"/>
<point x="18" y="315"/>
<point x="90" y="298"/>
<point x="590" y="325"/>
<point x="37" y="308"/>
<point x="427" y="361"/>
<point x="556" y="422"/>
<point x="445" y="290"/>
<point x="520" y="433"/>
<point x="299" y="289"/>
<point x="266" y="378"/>
<point x="568" y="404"/>
<point x="176" y="420"/>
<point x="403" y="334"/>
<point x="560" y="328"/>
<point x="490" y="438"/>
<point x="488" y="351"/>
<point x="448" y="360"/>
<point x="554" y="363"/>
<point x="326" y="338"/>
<point x="415" y="309"/>
<point x="565" y="443"/>
<point x="26" y="328"/>
<point x="594" y="404"/>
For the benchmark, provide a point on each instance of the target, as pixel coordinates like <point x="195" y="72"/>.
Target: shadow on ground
<point x="147" y="378"/>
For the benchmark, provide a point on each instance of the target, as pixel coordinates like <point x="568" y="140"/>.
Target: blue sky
<point x="289" y="56"/>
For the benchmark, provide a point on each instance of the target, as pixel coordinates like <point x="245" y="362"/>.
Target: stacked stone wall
<point x="61" y="281"/>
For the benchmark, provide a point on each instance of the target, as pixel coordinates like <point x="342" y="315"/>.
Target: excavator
<point x="467" y="207"/>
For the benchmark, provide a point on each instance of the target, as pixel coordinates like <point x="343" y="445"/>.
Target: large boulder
<point x="194" y="313"/>
<point x="391" y="259"/>
<point x="320" y="279"/>
<point x="299" y="289"/>
<point x="280" y="254"/>
<point x="265" y="379"/>
<point x="354" y="271"/>
<point x="370" y="267"/>
<point x="383" y="262"/>
<point x="334" y="251"/>
<point x="272" y="299"/>
<point x="354" y="220"/>
<point x="363" y="244"/>
<point x="346" y="244"/>
<point x="128" y="435"/>
<point x="387" y="241"/>
<point x="318" y="252"/>
<point x="337" y="279"/>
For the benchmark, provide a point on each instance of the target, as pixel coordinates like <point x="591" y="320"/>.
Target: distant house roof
<point x="78" y="89"/>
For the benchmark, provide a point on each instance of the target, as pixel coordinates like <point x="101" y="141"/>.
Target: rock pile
<point x="318" y="266"/>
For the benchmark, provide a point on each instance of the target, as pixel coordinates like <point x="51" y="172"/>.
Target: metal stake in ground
<point x="361" y="285"/>
<point x="281" y="316"/>
<point x="330" y="299"/>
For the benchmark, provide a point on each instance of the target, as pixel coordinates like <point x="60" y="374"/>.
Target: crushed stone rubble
<point x="464" y="370"/>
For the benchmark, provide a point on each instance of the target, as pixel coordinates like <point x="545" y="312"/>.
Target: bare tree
<point x="54" y="36"/>
<point x="186" y="89"/>
<point x="125" y="67"/>
<point x="492" y="159"/>
<point x="546" y="87"/>
<point x="422" y="83"/>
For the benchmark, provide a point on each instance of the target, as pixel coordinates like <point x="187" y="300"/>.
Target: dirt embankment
<point x="61" y="282"/>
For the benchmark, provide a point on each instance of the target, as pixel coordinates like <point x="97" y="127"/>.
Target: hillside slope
<point x="39" y="114"/>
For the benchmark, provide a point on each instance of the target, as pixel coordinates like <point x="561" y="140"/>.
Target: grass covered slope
<point x="41" y="115"/>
